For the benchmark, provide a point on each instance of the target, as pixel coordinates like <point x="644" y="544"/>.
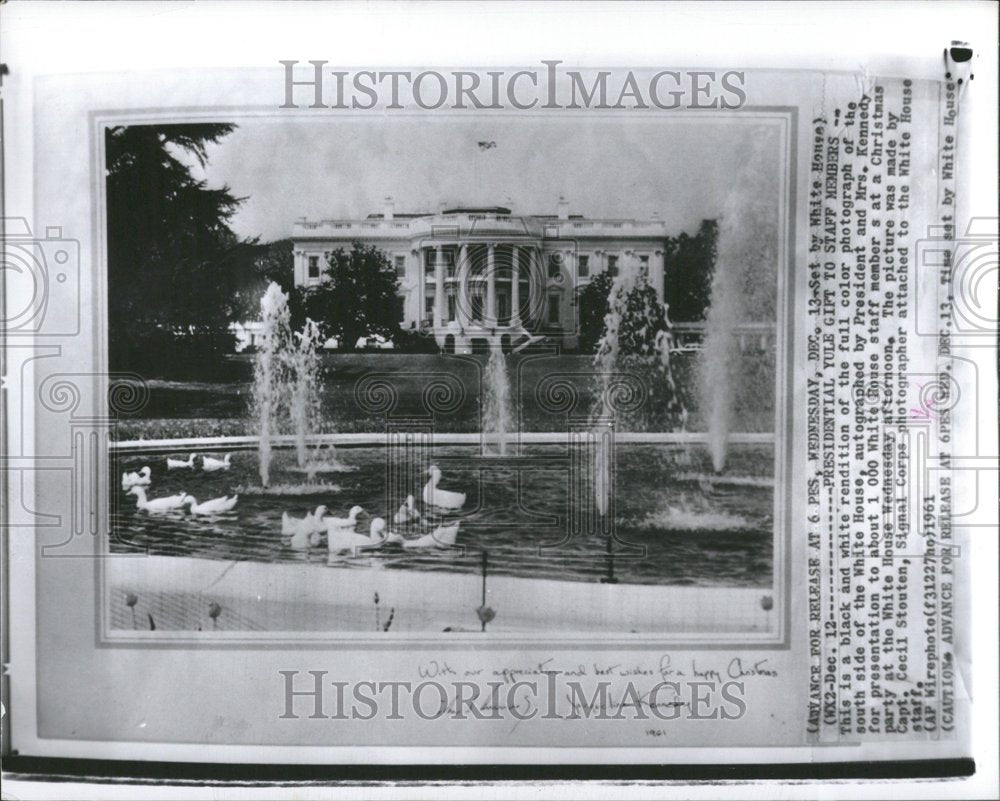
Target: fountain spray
<point x="496" y="411"/>
<point x="286" y="391"/>
<point x="305" y="399"/>
<point x="718" y="354"/>
<point x="269" y="369"/>
<point x="743" y="289"/>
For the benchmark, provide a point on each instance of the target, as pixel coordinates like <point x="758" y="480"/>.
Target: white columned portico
<point x="438" y="286"/>
<point x="491" y="286"/>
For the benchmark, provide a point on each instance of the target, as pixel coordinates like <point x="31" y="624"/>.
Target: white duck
<point x="441" y="537"/>
<point x="392" y="538"/>
<point x="140" y="479"/>
<point x="337" y="523"/>
<point x="304" y="538"/>
<point x="342" y="540"/>
<point x="407" y="512"/>
<point x="211" y="507"/>
<point x="175" y="464"/>
<point x="157" y="505"/>
<point x="443" y="499"/>
<point x="210" y="465"/>
<point x="311" y="522"/>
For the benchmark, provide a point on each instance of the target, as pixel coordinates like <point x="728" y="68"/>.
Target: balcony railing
<point x="485" y="224"/>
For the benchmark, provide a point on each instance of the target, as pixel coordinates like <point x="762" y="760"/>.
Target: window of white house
<point x="523" y="265"/>
<point x="314" y="266"/>
<point x="644" y="265"/>
<point x="583" y="266"/>
<point x="400" y="267"/>
<point x="554" y="301"/>
<point x="612" y="265"/>
<point x="555" y="264"/>
<point x="477" y="302"/>
<point x="447" y="262"/>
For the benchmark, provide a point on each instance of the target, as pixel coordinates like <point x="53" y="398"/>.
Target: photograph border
<point x="786" y="117"/>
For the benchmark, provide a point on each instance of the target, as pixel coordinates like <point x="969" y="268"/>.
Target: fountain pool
<point x="676" y="524"/>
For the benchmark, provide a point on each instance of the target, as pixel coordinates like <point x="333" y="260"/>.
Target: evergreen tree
<point x="592" y="305"/>
<point x="641" y="351"/>
<point x="643" y="324"/>
<point x="172" y="258"/>
<point x="689" y="264"/>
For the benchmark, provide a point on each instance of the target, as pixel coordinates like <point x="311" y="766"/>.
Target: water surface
<point x="674" y="523"/>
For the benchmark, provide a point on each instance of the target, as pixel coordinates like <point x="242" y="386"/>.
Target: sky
<point x="679" y="169"/>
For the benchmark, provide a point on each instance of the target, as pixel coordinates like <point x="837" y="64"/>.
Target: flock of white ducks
<point x="343" y="541"/>
<point x="308" y="531"/>
<point x="136" y="483"/>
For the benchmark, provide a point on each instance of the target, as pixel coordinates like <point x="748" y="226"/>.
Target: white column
<point x="464" y="312"/>
<point x="491" y="286"/>
<point x="656" y="268"/>
<point x="415" y="297"/>
<point x="538" y="279"/>
<point x="438" y="286"/>
<point x="515" y="288"/>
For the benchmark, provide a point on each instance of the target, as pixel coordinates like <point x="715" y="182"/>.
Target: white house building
<point x="484" y="276"/>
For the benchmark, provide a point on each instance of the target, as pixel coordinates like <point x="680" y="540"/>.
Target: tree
<point x="638" y="347"/>
<point x="689" y="265"/>
<point x="172" y="258"/>
<point x="644" y="322"/>
<point x="643" y="317"/>
<point x="357" y="297"/>
<point x="592" y="305"/>
<point x="261" y="264"/>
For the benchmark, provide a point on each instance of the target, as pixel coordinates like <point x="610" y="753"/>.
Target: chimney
<point x="563" y="208"/>
<point x="388" y="208"/>
<point x="441" y="207"/>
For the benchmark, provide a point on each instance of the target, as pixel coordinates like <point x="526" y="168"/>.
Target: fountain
<point x="634" y="382"/>
<point x="743" y="290"/>
<point x="605" y="366"/>
<point x="718" y="358"/>
<point x="305" y="399"/>
<point x="269" y="372"/>
<point x="286" y="381"/>
<point x="496" y="401"/>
